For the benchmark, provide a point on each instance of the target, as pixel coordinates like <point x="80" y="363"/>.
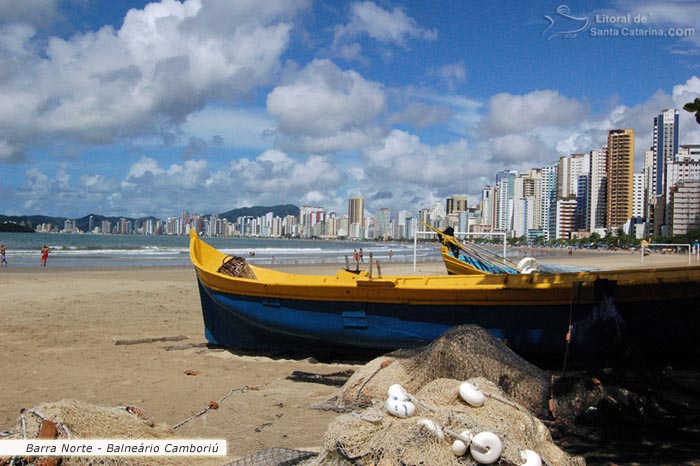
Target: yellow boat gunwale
<point x="486" y="289"/>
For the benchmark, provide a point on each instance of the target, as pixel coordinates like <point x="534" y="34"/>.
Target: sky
<point x="135" y="108"/>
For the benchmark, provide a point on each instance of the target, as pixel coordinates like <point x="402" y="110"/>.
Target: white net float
<point x="459" y="448"/>
<point x="531" y="458"/>
<point x="397" y="392"/>
<point x="471" y="394"/>
<point x="486" y="447"/>
<point x="400" y="408"/>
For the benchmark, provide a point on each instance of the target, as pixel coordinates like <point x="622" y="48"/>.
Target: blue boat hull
<point x="599" y="332"/>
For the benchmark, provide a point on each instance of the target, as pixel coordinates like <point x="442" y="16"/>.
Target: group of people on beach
<point x="358" y="256"/>
<point x="44" y="255"/>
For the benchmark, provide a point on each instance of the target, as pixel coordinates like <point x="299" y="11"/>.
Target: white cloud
<point x="520" y="149"/>
<point x="326" y="109"/>
<point x="143" y="167"/>
<point x="403" y="160"/>
<point x="451" y="74"/>
<point x="238" y="127"/>
<point x="37" y="13"/>
<point x="682" y="94"/>
<point x="508" y="113"/>
<point x="385" y="26"/>
<point x="672" y="13"/>
<point x="168" y="60"/>
<point x="421" y="115"/>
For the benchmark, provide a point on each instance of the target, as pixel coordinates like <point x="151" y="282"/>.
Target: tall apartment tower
<point x="488" y="207"/>
<point x="382" y="223"/>
<point x="598" y="190"/>
<point x="638" y="208"/>
<point x="356" y="211"/>
<point x="505" y="182"/>
<point x="664" y="148"/>
<point x="620" y="169"/>
<point x="548" y="201"/>
<point x="456" y="204"/>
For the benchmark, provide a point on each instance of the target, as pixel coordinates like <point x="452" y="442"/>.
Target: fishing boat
<point x="587" y="316"/>
<point x="469" y="259"/>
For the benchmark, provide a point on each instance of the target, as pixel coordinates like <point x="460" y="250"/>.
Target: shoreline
<point x="584" y="259"/>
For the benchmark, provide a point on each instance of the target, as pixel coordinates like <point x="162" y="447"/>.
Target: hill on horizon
<point x="82" y="223"/>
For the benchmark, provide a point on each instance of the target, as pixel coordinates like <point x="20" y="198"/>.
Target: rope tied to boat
<point x="575" y="297"/>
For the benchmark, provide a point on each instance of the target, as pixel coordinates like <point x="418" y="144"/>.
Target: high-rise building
<point x="400" y="224"/>
<point x="548" y="201"/>
<point x="620" y="171"/>
<point x="664" y="148"/>
<point x="456" y="204"/>
<point x="488" y="207"/>
<point x="356" y="211"/>
<point x="598" y="189"/>
<point x="638" y="196"/>
<point x="505" y="181"/>
<point x="565" y="218"/>
<point x="309" y="216"/>
<point x="382" y="223"/>
<point x="568" y="171"/>
<point x="689" y="152"/>
<point x="684" y="207"/>
<point x="526" y="214"/>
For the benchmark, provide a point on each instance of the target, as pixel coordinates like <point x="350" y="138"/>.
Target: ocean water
<point x="88" y="250"/>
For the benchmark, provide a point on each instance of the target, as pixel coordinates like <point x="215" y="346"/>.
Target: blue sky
<point x="136" y="108"/>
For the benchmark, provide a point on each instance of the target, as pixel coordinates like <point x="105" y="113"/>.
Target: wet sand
<point x="96" y="335"/>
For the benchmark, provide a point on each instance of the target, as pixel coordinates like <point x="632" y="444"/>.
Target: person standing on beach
<point x="44" y="255"/>
<point x="362" y="258"/>
<point x="3" y="259"/>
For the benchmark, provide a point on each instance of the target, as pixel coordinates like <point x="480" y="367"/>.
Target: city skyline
<point x="140" y="107"/>
<point x="595" y="163"/>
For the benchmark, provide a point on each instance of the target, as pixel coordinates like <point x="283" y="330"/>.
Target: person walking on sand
<point x="3" y="259"/>
<point x="362" y="255"/>
<point x="44" y="255"/>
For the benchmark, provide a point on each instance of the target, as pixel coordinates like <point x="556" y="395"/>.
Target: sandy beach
<point x="134" y="336"/>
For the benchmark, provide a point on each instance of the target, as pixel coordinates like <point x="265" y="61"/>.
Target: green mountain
<point x="8" y="227"/>
<point x="30" y="222"/>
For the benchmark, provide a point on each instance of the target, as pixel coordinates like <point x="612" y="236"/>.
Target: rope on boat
<point x="575" y="296"/>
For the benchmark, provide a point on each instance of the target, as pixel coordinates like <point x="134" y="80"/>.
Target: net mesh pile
<point x="87" y="421"/>
<point x="371" y="436"/>
<point x="461" y="353"/>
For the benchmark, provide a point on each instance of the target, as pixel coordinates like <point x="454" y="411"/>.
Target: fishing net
<point x="516" y="392"/>
<point x="461" y="353"/>
<point x="79" y="420"/>
<point x="235" y="266"/>
<point x="371" y="436"/>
